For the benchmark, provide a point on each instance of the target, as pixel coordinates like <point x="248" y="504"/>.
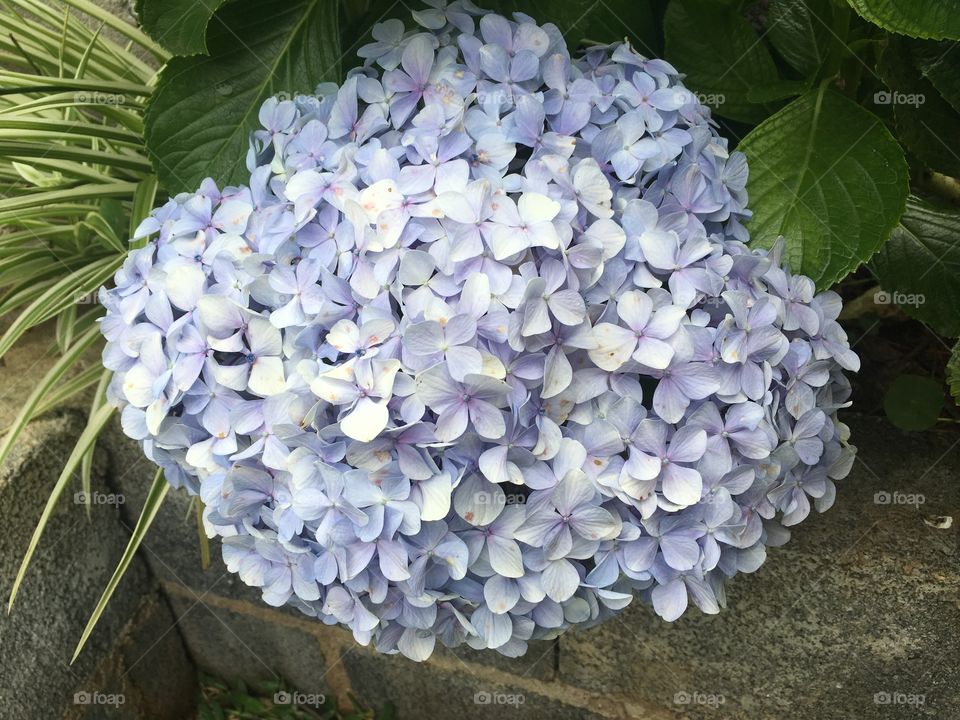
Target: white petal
<point x="366" y="420"/>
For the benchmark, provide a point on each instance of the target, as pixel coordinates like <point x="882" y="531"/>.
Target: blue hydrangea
<point x="480" y="352"/>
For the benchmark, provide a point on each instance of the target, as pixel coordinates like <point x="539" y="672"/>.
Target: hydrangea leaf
<point x="937" y="19"/>
<point x="201" y="114"/>
<point x="913" y="402"/>
<point x="922" y="259"/>
<point x="828" y="176"/>
<point x="179" y="25"/>
<point x="721" y="55"/>
<point x="800" y="31"/>
<point x="939" y="62"/>
<point x="926" y="123"/>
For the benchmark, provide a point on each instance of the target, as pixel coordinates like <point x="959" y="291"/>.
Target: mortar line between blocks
<point x="340" y="642"/>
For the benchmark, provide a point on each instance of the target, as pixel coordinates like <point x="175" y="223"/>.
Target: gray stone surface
<point x="74" y="560"/>
<point x="451" y="692"/>
<point x="860" y="606"/>
<point x="229" y="644"/>
<point x="864" y="601"/>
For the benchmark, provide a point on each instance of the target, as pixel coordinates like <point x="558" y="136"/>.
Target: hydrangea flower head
<point x="480" y="353"/>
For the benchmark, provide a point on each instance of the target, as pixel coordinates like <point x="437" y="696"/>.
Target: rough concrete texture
<point x="231" y="644"/>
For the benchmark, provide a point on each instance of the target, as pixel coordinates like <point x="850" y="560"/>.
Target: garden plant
<point x="475" y="325"/>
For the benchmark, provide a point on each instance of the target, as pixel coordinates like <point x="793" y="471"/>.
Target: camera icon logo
<point x="81" y="698"/>
<point x="282" y="698"/>
<point x="882" y="97"/>
<point x="882" y="498"/>
<point x="482" y="698"/>
<point x="681" y="698"/>
<point x="882" y="297"/>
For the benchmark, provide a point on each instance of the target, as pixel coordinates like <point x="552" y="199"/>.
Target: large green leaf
<point x="913" y="402"/>
<point x="937" y="19"/>
<point x="827" y="176"/>
<point x="919" y="267"/>
<point x="800" y="31"/>
<point x="201" y="114"/>
<point x="179" y="25"/>
<point x="722" y="56"/>
<point x="926" y="123"/>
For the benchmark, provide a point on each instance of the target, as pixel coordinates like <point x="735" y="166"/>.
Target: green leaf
<point x="953" y="373"/>
<point x="204" y="108"/>
<point x="158" y="491"/>
<point x="827" y="176"/>
<point x="94" y="425"/>
<point x="779" y="90"/>
<point x="800" y="31"/>
<point x="86" y="463"/>
<point x="919" y="267"/>
<point x="179" y="25"/>
<point x="143" y="199"/>
<point x="939" y="62"/>
<point x="913" y="402"/>
<point x="937" y="19"/>
<point x="48" y="383"/>
<point x="119" y="25"/>
<point x="67" y="291"/>
<point x="721" y="55"/>
<point x="926" y="123"/>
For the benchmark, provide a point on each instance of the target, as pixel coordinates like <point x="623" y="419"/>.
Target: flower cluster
<point x="480" y="352"/>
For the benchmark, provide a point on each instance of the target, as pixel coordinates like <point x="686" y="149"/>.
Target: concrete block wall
<point x="118" y="675"/>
